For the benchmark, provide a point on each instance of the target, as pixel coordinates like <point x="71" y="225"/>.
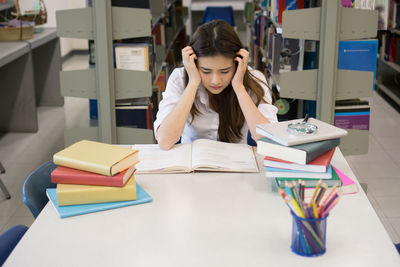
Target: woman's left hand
<point x="242" y="59"/>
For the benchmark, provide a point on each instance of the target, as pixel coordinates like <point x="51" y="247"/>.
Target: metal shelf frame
<point x="103" y="24"/>
<point x="330" y="24"/>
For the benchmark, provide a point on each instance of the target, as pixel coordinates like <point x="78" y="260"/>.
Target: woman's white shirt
<point x="205" y="125"/>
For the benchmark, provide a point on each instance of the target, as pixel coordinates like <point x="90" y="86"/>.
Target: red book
<point x="281" y="8"/>
<point x="319" y="164"/>
<point x="300" y="4"/>
<point x="65" y="175"/>
<point x="392" y="50"/>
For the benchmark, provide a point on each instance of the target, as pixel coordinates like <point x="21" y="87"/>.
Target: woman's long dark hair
<point x="219" y="38"/>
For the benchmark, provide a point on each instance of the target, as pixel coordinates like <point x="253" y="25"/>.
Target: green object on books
<point x="311" y="182"/>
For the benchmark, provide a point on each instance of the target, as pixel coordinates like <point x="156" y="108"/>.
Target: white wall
<point x="67" y="44"/>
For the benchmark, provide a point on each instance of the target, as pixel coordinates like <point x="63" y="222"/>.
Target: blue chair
<point x="250" y="140"/>
<point x="9" y="239"/>
<point x="34" y="189"/>
<point x="397" y="247"/>
<point x="219" y="12"/>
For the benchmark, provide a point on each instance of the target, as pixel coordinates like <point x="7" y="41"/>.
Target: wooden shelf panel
<point x="355" y="143"/>
<point x="299" y="84"/>
<point x="301" y="23"/>
<point x="354" y="84"/>
<point x="358" y="24"/>
<point x="127" y="23"/>
<point x="78" y="83"/>
<point x="132" y="84"/>
<point x="128" y="83"/>
<point x="305" y="23"/>
<point x="303" y="84"/>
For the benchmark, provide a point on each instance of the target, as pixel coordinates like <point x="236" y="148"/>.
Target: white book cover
<point x="132" y="57"/>
<point x="279" y="132"/>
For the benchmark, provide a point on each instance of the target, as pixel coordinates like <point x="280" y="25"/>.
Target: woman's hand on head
<point x="242" y="59"/>
<point x="188" y="58"/>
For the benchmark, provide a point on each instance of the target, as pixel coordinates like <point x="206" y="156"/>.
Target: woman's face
<point x="216" y="72"/>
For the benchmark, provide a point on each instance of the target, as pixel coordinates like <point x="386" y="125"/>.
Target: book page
<point x="220" y="156"/>
<point x="153" y="159"/>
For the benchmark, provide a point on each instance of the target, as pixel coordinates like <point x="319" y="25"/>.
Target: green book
<point x="311" y="182"/>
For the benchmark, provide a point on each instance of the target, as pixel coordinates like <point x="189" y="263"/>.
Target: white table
<point x="204" y="219"/>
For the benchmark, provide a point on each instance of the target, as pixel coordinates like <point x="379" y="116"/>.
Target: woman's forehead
<point x="215" y="62"/>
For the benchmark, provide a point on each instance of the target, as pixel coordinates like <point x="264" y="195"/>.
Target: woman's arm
<point x="172" y="126"/>
<point x="251" y="113"/>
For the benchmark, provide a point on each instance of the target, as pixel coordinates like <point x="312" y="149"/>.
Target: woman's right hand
<point x="188" y="58"/>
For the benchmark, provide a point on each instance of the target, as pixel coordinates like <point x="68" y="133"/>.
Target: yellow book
<point x="96" y="157"/>
<point x="73" y="194"/>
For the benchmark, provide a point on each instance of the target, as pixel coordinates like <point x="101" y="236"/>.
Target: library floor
<point x="21" y="153"/>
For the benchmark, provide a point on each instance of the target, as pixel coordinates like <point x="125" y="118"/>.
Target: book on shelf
<point x="310" y="182"/>
<point x="275" y="53"/>
<point x="97" y="157"/>
<point x="277" y="172"/>
<point x="161" y="81"/>
<point x="158" y="32"/>
<point x="279" y="132"/>
<point x="310" y="60"/>
<point x="65" y="175"/>
<point x="301" y="154"/>
<point x="67" y="211"/>
<point x="352" y="117"/>
<point x="76" y="194"/>
<point x="202" y="155"/>
<point x="126" y="3"/>
<point x="351" y="102"/>
<point x="132" y="56"/>
<point x="364" y="4"/>
<point x="358" y="55"/>
<point x="137" y="113"/>
<point x="320" y="164"/>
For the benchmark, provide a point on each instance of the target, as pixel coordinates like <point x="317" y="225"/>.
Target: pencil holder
<point x="308" y="236"/>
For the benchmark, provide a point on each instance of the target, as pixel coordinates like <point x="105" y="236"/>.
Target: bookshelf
<point x="104" y="23"/>
<point x="389" y="66"/>
<point x="329" y="24"/>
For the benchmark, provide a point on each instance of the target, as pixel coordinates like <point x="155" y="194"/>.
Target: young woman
<point x="215" y="95"/>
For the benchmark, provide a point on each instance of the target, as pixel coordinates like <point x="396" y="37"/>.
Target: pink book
<point x="65" y="175"/>
<point x="348" y="185"/>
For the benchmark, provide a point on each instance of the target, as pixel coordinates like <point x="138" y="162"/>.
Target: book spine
<point x="352" y="121"/>
<point x="80" y="165"/>
<point x="86" y="180"/>
<point x="93" y="194"/>
<point x="324" y="147"/>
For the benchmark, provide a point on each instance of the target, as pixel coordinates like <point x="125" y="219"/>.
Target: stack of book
<point x="289" y="156"/>
<point x="93" y="176"/>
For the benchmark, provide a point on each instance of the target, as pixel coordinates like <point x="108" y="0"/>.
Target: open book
<point x="202" y="155"/>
